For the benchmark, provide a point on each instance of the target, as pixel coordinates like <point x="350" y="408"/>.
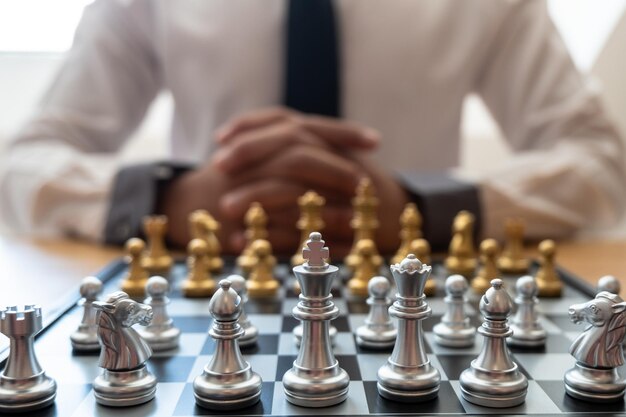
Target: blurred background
<point x="35" y="34"/>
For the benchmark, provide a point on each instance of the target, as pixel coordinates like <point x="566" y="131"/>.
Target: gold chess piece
<point x="548" y="281"/>
<point x="421" y="249"/>
<point x="367" y="266"/>
<point x="134" y="282"/>
<point x="204" y="226"/>
<point x="311" y="204"/>
<point x="261" y="282"/>
<point x="488" y="270"/>
<point x="461" y="254"/>
<point x="157" y="261"/>
<point x="512" y="260"/>
<point x="256" y="228"/>
<point x="410" y="229"/>
<point x="199" y="282"/>
<point x="364" y="221"/>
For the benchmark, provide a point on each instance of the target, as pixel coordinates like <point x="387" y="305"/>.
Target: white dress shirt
<point x="406" y="67"/>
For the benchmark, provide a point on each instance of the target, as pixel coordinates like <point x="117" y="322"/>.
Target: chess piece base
<point x="84" y="342"/>
<point x="368" y="338"/>
<point x="430" y="288"/>
<point x="465" y="267"/>
<point x="265" y="289"/>
<point x="454" y="337"/>
<point x="549" y="288"/>
<point x="216" y="265"/>
<point x="249" y="338"/>
<point x="227" y="391"/>
<point x="125" y="388"/>
<point x="513" y="266"/>
<point x="595" y="385"/>
<point x="161" y="340"/>
<point x="34" y="393"/>
<point x="320" y="388"/>
<point x="297" y="334"/>
<point x="526" y="337"/>
<point x="135" y="289"/>
<point x="193" y="289"/>
<point x="358" y="288"/>
<point x="408" y="385"/>
<point x="160" y="266"/>
<point x="480" y="285"/>
<point x="493" y="389"/>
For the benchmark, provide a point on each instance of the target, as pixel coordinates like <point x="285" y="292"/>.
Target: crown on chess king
<point x="315" y="251"/>
<point x="410" y="276"/>
<point x="15" y="321"/>
<point x="315" y="276"/>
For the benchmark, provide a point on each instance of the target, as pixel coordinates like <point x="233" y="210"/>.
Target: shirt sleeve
<point x="57" y="174"/>
<point x="568" y="166"/>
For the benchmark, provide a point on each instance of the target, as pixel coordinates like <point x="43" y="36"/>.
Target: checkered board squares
<point x="275" y="352"/>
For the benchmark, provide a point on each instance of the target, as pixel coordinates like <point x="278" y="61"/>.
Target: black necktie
<point x="312" y="58"/>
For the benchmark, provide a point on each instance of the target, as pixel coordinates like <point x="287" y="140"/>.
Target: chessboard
<point x="276" y="351"/>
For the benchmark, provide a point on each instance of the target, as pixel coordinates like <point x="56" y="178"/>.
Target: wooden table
<point x="37" y="271"/>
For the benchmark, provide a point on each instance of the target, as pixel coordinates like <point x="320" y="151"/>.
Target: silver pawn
<point x="24" y="386"/>
<point x="227" y="382"/>
<point x="85" y="338"/>
<point x="378" y="332"/>
<point x="408" y="375"/>
<point x="251" y="333"/>
<point x="125" y="379"/>
<point x="161" y="334"/>
<point x="609" y="283"/>
<point x="455" y="330"/>
<point x="493" y="379"/>
<point x="527" y="331"/>
<point x="316" y="379"/>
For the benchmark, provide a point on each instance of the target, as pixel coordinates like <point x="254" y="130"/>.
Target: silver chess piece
<point x="316" y="379"/>
<point x="24" y="386"/>
<point x="125" y="379"/>
<point x="455" y="329"/>
<point x="609" y="283"/>
<point x="227" y="382"/>
<point x="527" y="331"/>
<point x="161" y="334"/>
<point x="598" y="350"/>
<point x="408" y="375"/>
<point x="85" y="338"/>
<point x="251" y="333"/>
<point x="493" y="379"/>
<point x="378" y="332"/>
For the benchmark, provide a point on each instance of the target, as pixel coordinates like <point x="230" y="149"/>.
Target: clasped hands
<point x="273" y="156"/>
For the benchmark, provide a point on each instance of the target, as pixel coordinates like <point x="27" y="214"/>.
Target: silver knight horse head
<point x="600" y="345"/>
<point x="122" y="347"/>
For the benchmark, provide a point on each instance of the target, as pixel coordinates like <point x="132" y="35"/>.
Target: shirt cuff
<point x="135" y="195"/>
<point x="439" y="197"/>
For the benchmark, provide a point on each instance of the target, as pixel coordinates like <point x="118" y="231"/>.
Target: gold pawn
<point x="157" y="260"/>
<point x="134" y="283"/>
<point x="256" y="228"/>
<point x="410" y="225"/>
<point x="199" y="282"/>
<point x="364" y="221"/>
<point x="367" y="267"/>
<point x="204" y="226"/>
<point x="461" y="254"/>
<point x="512" y="260"/>
<point x="548" y="282"/>
<point x="311" y="204"/>
<point x="262" y="283"/>
<point x="488" y="271"/>
<point x="421" y="249"/>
